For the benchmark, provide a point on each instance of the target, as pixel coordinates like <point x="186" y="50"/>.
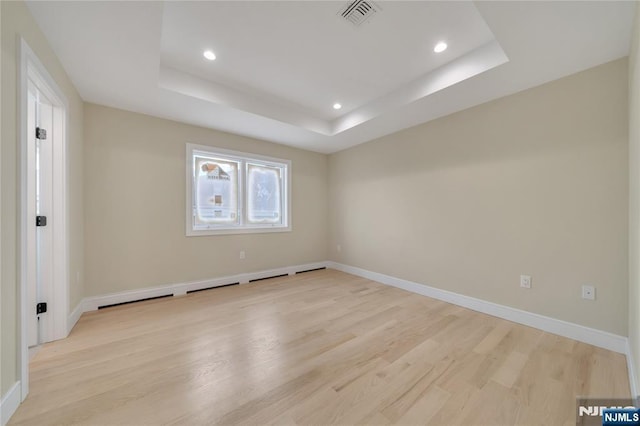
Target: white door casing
<point x="44" y="207"/>
<point x="31" y="271"/>
<point x="55" y="238"/>
<point x="39" y="203"/>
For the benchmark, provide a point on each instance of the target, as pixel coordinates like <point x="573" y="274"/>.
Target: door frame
<point x="31" y="68"/>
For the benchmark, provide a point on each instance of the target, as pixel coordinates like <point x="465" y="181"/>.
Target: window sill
<point x="231" y="231"/>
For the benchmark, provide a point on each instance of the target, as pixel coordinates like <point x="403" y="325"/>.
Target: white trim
<point x="179" y="289"/>
<point x="581" y="333"/>
<point x="22" y="112"/>
<point x="59" y="298"/>
<point x="9" y="404"/>
<point x="243" y="158"/>
<point x="32" y="68"/>
<point x="74" y="317"/>
<point x="588" y="335"/>
<point x="633" y="375"/>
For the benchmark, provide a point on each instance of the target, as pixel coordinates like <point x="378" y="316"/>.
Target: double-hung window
<point x="232" y="192"/>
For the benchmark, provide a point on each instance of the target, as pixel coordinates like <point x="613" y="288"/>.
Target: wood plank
<point x="323" y="347"/>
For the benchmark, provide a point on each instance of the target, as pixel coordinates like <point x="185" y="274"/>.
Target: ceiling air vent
<point x="359" y="11"/>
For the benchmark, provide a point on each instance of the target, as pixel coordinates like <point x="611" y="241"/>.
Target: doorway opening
<point x="44" y="287"/>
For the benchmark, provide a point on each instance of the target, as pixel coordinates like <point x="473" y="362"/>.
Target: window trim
<point x="245" y="157"/>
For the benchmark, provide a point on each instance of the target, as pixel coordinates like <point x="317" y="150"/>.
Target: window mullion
<point x="243" y="191"/>
<point x="255" y="188"/>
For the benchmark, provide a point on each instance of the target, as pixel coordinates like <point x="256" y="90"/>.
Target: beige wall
<point x="17" y="21"/>
<point x="634" y="197"/>
<point x="135" y="206"/>
<point x="535" y="183"/>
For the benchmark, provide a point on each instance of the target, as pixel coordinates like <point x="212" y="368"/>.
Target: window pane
<point x="216" y="192"/>
<point x="233" y="192"/>
<point x="264" y="203"/>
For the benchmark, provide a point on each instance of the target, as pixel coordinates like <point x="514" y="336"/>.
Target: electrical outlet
<point x="588" y="292"/>
<point x="525" y="281"/>
<point x="242" y="254"/>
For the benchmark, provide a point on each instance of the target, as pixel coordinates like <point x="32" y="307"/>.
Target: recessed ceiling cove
<point x="281" y="66"/>
<point x="291" y="61"/>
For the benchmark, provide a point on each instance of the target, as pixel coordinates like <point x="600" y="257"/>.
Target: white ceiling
<point x="302" y="53"/>
<point x="281" y="65"/>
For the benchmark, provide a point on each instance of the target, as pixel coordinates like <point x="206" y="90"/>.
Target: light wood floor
<point x="316" y="348"/>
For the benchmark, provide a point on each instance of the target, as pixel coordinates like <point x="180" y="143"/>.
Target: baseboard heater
<point x="268" y="278"/>
<point x="135" y="301"/>
<point x="207" y="288"/>
<point x="311" y="270"/>
<point x="285" y="275"/>
<point x="212" y="288"/>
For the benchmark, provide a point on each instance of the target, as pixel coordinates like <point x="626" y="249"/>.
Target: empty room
<point x="320" y="212"/>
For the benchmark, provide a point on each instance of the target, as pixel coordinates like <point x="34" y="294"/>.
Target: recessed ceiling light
<point x="337" y="106"/>
<point x="209" y="55"/>
<point x="440" y="47"/>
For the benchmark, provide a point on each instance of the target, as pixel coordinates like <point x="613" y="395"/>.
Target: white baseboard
<point x="581" y="333"/>
<point x="633" y="374"/>
<point x="9" y="403"/>
<point x="74" y="316"/>
<point x="179" y="289"/>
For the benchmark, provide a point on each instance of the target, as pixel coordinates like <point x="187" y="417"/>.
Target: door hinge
<point x="41" y="308"/>
<point x="41" y="133"/>
<point x="41" y="221"/>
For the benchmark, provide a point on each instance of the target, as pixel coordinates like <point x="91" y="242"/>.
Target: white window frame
<point x="244" y="158"/>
